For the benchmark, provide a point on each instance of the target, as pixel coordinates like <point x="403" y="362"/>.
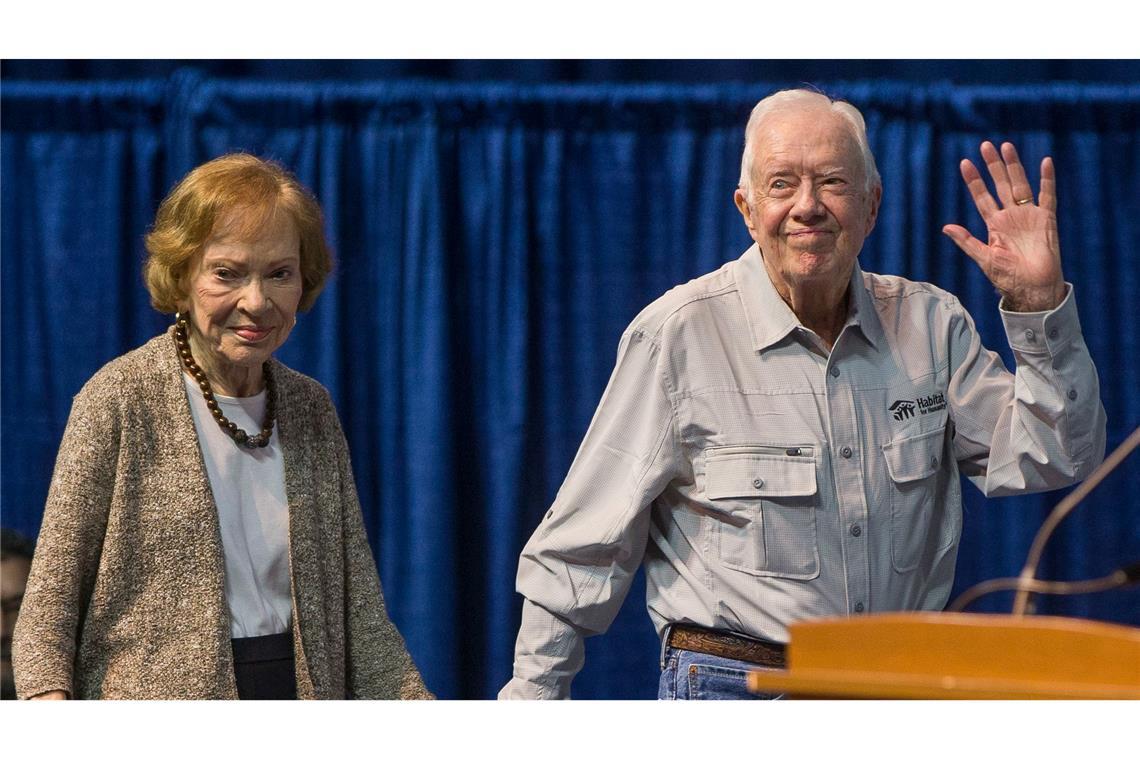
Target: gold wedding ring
<point x="1024" y="201"/>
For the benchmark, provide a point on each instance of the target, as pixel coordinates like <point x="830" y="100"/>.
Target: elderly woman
<point x="202" y="536"/>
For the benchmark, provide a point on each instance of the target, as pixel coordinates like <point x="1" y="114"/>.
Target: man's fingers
<point x="985" y="202"/>
<point x="998" y="172"/>
<point x="969" y="244"/>
<point x="1048" y="196"/>
<point x="1018" y="182"/>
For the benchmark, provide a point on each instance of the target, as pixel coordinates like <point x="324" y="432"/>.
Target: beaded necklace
<point x="242" y="438"/>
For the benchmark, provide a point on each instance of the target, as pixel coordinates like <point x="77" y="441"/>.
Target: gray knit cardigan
<point x="126" y="596"/>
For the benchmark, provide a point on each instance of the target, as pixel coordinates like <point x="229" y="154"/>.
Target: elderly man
<point x="781" y="439"/>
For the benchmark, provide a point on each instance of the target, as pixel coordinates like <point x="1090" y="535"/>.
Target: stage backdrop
<point x="492" y="243"/>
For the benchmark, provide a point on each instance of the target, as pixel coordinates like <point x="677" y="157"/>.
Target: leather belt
<point x="692" y="638"/>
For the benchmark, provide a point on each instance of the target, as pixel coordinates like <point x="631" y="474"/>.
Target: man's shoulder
<point x="890" y="290"/>
<point x="685" y="300"/>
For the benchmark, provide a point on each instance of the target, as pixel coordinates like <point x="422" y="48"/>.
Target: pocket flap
<point x="743" y="474"/>
<point x="916" y="457"/>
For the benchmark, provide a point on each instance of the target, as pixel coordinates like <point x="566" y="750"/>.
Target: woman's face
<point x="243" y="296"/>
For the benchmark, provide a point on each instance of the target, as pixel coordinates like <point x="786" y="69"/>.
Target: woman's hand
<point x="57" y="694"/>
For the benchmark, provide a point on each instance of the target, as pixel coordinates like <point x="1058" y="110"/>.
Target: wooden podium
<point x="931" y="655"/>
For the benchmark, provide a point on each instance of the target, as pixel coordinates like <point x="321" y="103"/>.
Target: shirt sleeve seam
<point x="668" y="430"/>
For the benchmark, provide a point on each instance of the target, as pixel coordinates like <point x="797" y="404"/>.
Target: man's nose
<point x="807" y="203"/>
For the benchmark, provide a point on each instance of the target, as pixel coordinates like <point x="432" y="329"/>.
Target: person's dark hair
<point x="13" y="544"/>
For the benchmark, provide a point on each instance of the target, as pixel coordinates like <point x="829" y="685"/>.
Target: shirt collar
<point x="770" y="319"/>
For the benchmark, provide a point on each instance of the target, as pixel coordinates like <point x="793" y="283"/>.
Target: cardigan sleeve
<point x="70" y="543"/>
<point x="378" y="664"/>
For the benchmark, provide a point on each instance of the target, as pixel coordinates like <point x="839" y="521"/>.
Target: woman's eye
<point x="282" y="274"/>
<point x="223" y="274"/>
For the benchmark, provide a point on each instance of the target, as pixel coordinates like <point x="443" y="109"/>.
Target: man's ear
<point x="741" y="201"/>
<point x="873" y="214"/>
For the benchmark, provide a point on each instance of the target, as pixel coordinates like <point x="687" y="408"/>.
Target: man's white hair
<point x="789" y="99"/>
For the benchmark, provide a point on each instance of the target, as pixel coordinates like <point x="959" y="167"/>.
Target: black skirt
<point x="263" y="667"/>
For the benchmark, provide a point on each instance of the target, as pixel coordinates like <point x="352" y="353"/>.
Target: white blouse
<point x="249" y="489"/>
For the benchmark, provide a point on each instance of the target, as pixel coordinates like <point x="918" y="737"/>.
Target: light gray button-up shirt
<point x="764" y="480"/>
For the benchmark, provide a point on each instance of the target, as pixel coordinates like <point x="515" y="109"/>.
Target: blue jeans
<point x="692" y="675"/>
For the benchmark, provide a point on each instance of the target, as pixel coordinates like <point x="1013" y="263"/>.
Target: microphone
<point x="1062" y="510"/>
<point x="1124" y="576"/>
<point x="1026" y="583"/>
<point x="1132" y="572"/>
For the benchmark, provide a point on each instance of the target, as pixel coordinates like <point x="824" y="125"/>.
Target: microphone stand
<point x="1027" y="578"/>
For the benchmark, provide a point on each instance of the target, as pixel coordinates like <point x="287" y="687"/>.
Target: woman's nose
<point x="254" y="298"/>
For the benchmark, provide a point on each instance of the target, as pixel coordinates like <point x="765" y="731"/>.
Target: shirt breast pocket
<point x="913" y="464"/>
<point x="764" y="503"/>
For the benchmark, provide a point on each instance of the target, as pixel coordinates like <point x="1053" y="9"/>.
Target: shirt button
<point x="846" y="452"/>
<point x="758" y="483"/>
<point x="1072" y="394"/>
<point x="856" y="531"/>
<point x="859" y="607"/>
<point x="1053" y="334"/>
<point x="934" y="462"/>
<point x="835" y="371"/>
<point x="1030" y="336"/>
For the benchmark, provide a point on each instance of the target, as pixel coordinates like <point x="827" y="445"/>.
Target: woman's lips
<point x="252" y="334"/>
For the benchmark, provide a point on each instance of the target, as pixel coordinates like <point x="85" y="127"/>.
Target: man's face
<point x="13" y="579"/>
<point x="808" y="207"/>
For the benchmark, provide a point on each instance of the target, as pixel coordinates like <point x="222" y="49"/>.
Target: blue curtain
<point x="492" y="242"/>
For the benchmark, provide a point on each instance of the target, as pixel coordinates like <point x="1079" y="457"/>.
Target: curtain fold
<point x="492" y="243"/>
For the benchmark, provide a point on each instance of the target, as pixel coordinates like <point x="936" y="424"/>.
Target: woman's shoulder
<point x="298" y="387"/>
<point x="305" y="408"/>
<point x="146" y="368"/>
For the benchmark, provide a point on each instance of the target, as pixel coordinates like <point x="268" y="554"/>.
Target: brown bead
<point x="240" y="437"/>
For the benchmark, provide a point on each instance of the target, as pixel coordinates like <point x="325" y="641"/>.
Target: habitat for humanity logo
<point x="904" y="409"/>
